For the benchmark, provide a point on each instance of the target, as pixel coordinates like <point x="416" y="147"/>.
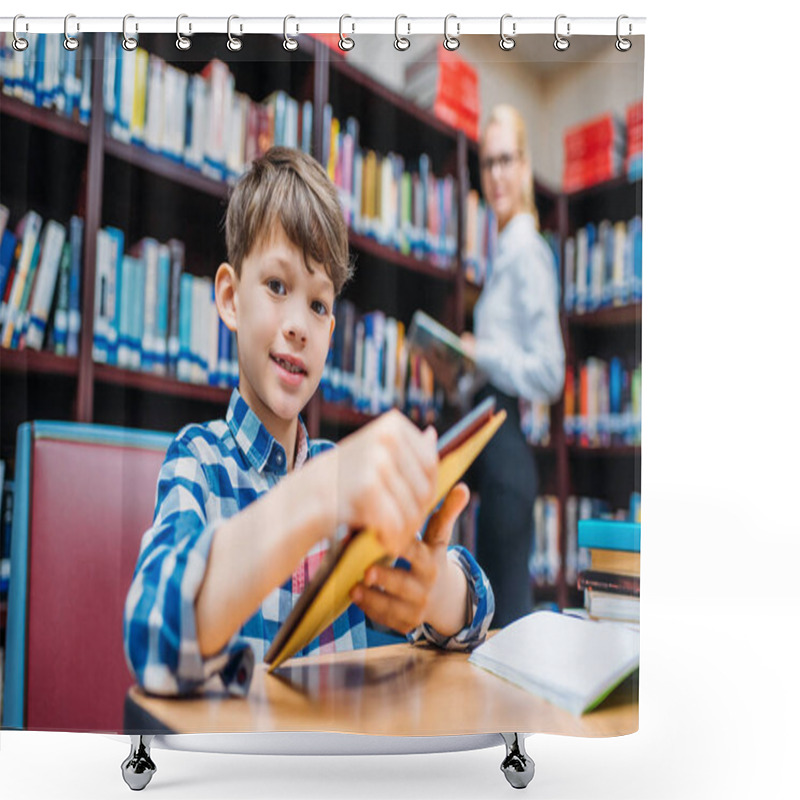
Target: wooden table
<point x="396" y="690"/>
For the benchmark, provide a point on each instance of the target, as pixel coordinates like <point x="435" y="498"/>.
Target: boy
<point x="239" y="527"/>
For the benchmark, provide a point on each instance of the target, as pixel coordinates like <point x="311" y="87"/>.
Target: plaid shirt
<point x="211" y="472"/>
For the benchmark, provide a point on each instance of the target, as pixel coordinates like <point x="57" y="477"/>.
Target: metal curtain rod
<point x="456" y="26"/>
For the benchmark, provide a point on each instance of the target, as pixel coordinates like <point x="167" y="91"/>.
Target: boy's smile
<point x="283" y="317"/>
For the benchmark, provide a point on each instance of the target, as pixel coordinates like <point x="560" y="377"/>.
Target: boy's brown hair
<point x="289" y="187"/>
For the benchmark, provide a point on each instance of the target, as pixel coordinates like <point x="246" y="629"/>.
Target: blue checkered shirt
<point x="211" y="472"/>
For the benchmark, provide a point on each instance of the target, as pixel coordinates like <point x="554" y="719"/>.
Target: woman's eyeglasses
<point x="503" y="161"/>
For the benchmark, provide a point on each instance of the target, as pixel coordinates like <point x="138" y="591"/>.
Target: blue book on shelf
<point x="609" y="534"/>
<point x="76" y="255"/>
<point x="7" y="247"/>
<point x="185" y="328"/>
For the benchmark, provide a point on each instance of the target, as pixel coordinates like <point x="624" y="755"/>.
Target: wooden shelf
<point x="611" y="317"/>
<point x="339" y="63"/>
<point x="613" y="451"/>
<point x="338" y="414"/>
<point x="37" y="362"/>
<point x="160" y="384"/>
<point x="620" y="182"/>
<point x="140" y="157"/>
<point x="45" y="118"/>
<point x="388" y="254"/>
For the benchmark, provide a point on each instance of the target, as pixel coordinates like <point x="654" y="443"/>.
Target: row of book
<point x="603" y="403"/>
<point x="369" y="367"/>
<point x="603" y="266"/>
<point x="198" y="119"/>
<point x="47" y="75"/>
<point x="594" y="151"/>
<point x="546" y="557"/>
<point x="634" y="119"/>
<point x="480" y="240"/>
<point x="610" y="582"/>
<point x="40" y="283"/>
<point x="150" y="315"/>
<point x="403" y="206"/>
<point x="6" y="516"/>
<point x="535" y="422"/>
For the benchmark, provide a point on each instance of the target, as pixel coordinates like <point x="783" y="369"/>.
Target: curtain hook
<point x="182" y="42"/>
<point x="129" y="42"/>
<point x="19" y="43"/>
<point x="560" y="42"/>
<point x="289" y="43"/>
<point x="451" y="42"/>
<point x="70" y="42"/>
<point x="401" y="42"/>
<point x="346" y="43"/>
<point x="507" y="42"/>
<point x="621" y="44"/>
<point x="234" y="44"/>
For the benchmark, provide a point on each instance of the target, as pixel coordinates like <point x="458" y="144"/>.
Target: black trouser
<point x="505" y="477"/>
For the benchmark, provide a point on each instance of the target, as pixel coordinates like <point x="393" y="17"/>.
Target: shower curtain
<point x="116" y="167"/>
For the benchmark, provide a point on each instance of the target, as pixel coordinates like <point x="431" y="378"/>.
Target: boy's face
<point x="283" y="316"/>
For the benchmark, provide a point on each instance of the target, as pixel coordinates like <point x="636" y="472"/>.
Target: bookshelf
<point x="110" y="182"/>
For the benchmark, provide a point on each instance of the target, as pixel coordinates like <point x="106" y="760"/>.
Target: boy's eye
<point x="319" y="307"/>
<point x="274" y="285"/>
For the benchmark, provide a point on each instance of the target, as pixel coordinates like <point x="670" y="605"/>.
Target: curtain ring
<point x="623" y="45"/>
<point x="507" y="42"/>
<point x="346" y="43"/>
<point x="234" y="44"/>
<point x="401" y="42"/>
<point x="19" y="43"/>
<point x="289" y="43"/>
<point x="560" y="42"/>
<point x="182" y="42"/>
<point x="451" y="42"/>
<point x="70" y="42"/>
<point x="129" y="42"/>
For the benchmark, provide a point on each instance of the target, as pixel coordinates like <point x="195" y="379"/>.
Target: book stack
<point x="402" y="206"/>
<point x="581" y="508"/>
<point x="593" y="152"/>
<point x="603" y="403"/>
<point x="152" y="316"/>
<point x="197" y="119"/>
<point x="444" y="82"/>
<point x="47" y="75"/>
<point x="40" y="276"/>
<point x="633" y="159"/>
<point x="611" y="584"/>
<point x="369" y="367"/>
<point x="603" y="266"/>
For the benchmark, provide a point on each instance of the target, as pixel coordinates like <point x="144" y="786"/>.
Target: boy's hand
<point x="386" y="479"/>
<point x="403" y="599"/>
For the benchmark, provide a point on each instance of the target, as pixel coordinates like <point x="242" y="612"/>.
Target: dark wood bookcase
<point x="61" y="167"/>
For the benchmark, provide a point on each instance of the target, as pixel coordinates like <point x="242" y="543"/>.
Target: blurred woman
<point x="517" y="345"/>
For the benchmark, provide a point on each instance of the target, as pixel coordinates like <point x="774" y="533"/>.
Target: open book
<point x="327" y="595"/>
<point x="443" y="350"/>
<point x="574" y="663"/>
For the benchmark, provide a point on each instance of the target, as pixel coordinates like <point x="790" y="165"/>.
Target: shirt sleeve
<point x="481" y="599"/>
<point x="160" y="632"/>
<point x="529" y="364"/>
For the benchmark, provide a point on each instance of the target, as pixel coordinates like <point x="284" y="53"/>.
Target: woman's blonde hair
<point x="506" y="114"/>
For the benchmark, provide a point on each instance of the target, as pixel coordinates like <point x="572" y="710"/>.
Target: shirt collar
<point x="259" y="446"/>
